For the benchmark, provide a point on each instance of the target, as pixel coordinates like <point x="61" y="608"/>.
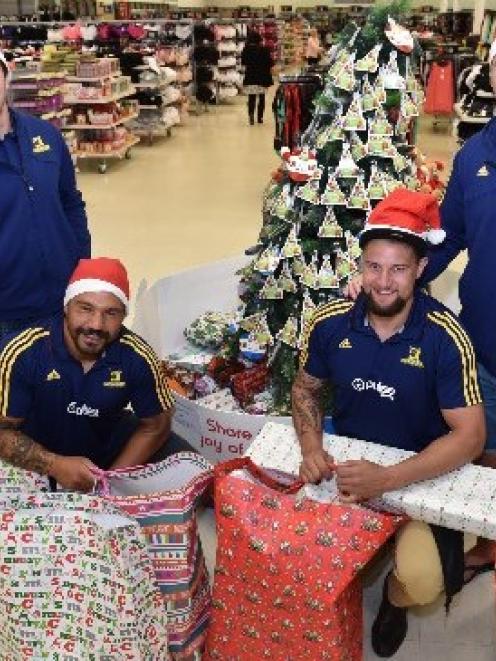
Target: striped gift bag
<point x="163" y="498"/>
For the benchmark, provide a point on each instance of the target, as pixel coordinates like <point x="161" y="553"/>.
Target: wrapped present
<point x="17" y="480"/>
<point x="250" y="382"/>
<point x="461" y="500"/>
<point x="210" y="329"/>
<point x="196" y="361"/>
<point x="221" y="400"/>
<point x="179" y="379"/>
<point x="162" y="498"/>
<point x="76" y="582"/>
<point x="222" y="369"/>
<point x="286" y="570"/>
<point x="205" y="385"/>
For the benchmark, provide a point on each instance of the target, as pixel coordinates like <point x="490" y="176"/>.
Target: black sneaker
<point x="389" y="628"/>
<point x="252" y="121"/>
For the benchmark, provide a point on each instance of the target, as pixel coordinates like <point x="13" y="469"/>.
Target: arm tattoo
<point x="20" y="450"/>
<point x="307" y="411"/>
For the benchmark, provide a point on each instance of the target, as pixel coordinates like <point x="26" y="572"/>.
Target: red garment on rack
<point x="439" y="97"/>
<point x="292" y="102"/>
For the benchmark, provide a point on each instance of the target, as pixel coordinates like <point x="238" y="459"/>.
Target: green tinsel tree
<point x="359" y="139"/>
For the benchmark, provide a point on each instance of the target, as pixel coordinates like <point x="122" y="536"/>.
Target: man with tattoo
<point x="64" y="387"/>
<point x="404" y="375"/>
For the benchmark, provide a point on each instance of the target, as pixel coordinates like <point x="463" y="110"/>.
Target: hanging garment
<point x="439" y="96"/>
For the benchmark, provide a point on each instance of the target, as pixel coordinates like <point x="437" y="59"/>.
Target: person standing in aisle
<point x="258" y="63"/>
<point x="314" y="49"/>
<point x="43" y="224"/>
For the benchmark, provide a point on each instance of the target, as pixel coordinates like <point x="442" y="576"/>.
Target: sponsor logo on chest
<point x="360" y="385"/>
<point x="82" y="410"/>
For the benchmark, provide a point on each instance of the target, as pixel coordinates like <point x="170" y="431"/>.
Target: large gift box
<point x="464" y="499"/>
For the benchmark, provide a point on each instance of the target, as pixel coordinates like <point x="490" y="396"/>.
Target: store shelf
<point x="118" y="153"/>
<point x="122" y="120"/>
<point x="108" y="99"/>
<point x="151" y="86"/>
<point x="97" y="79"/>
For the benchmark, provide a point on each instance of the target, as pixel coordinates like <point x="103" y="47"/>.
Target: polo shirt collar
<point x="59" y="348"/>
<point x="412" y="329"/>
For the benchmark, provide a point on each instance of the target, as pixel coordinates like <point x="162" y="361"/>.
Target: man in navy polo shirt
<point x="404" y="375"/>
<point x="64" y="388"/>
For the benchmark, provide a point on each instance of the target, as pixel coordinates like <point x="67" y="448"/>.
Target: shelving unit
<point x="39" y="94"/>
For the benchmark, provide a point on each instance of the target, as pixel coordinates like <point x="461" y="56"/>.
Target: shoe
<point x="260" y="121"/>
<point x="390" y="626"/>
<point x="252" y="121"/>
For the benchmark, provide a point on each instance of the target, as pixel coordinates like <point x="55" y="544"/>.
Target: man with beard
<point x="64" y="387"/>
<point x="404" y="375"/>
<point x="43" y="224"/>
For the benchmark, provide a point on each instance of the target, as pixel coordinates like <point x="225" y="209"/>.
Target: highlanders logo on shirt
<point x="345" y="344"/>
<point x="39" y="146"/>
<point x="115" y="380"/>
<point x="413" y="358"/>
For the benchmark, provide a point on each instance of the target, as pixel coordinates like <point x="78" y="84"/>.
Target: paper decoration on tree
<point x="390" y="74"/>
<point x="411" y="182"/>
<point x="308" y="309"/>
<point x="402" y="127"/>
<point x="399" y="36"/>
<point x="352" y="246"/>
<point x="400" y="162"/>
<point x="380" y="145"/>
<point x="347" y="168"/>
<point x="289" y="333"/>
<point x="271" y="290"/>
<point x="358" y="197"/>
<point x="282" y="204"/>
<point x="262" y="333"/>
<point x="411" y="82"/>
<point x="286" y="282"/>
<point x="375" y="189"/>
<point x="309" y="192"/>
<point x="342" y="59"/>
<point x="310" y="276"/>
<point x="354" y="119"/>
<point x="253" y="321"/>
<point x="379" y="92"/>
<point x="343" y="264"/>
<point x="330" y="228"/>
<point x="369" y="63"/>
<point x="268" y="261"/>
<point x="333" y="195"/>
<point x="345" y="78"/>
<point x="379" y="123"/>
<point x="327" y="278"/>
<point x="390" y="183"/>
<point x="358" y="148"/>
<point x="369" y="98"/>
<point x="298" y="265"/>
<point x="291" y="247"/>
<point x="408" y="108"/>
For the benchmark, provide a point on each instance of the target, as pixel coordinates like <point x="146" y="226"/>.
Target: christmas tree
<point x="355" y="151"/>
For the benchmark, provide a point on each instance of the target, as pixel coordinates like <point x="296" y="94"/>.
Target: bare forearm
<point x="20" y="450"/>
<point x="443" y="455"/>
<point x="307" y="415"/>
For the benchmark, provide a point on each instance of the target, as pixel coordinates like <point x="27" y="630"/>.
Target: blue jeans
<point x="488" y="387"/>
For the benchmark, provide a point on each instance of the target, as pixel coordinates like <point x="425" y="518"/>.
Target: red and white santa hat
<point x="101" y="274"/>
<point x="405" y="214"/>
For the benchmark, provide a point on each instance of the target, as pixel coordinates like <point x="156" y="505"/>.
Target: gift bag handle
<point x="245" y="463"/>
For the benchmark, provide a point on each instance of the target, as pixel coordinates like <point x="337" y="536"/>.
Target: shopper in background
<point x="314" y="49"/>
<point x="43" y="224"/>
<point x="403" y="374"/>
<point x="258" y="63"/>
<point x="65" y="387"/>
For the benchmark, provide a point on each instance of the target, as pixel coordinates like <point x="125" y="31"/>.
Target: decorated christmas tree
<point x="357" y="149"/>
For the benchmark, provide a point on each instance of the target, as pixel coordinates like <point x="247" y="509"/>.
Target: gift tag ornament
<point x="391" y="184"/>
<point x="291" y="247"/>
<point x="332" y="133"/>
<point x="333" y="195"/>
<point x="269" y="260"/>
<point x="411" y="182"/>
<point x="250" y="349"/>
<point x="262" y="333"/>
<point x="369" y="98"/>
<point x="352" y="245"/>
<point x="354" y="119"/>
<point x="269" y="198"/>
<point x="359" y="198"/>
<point x="289" y="333"/>
<point x="345" y="78"/>
<point x="408" y="108"/>
<point x="286" y="282"/>
<point x="347" y="168"/>
<point x="298" y="265"/>
<point x="402" y="126"/>
<point x="309" y="192"/>
<point x="379" y="92"/>
<point x="310" y="276"/>
<point x="327" y="278"/>
<point x="390" y="74"/>
<point x="253" y="321"/>
<point x="379" y="124"/>
<point x="308" y="309"/>
<point x="343" y="264"/>
<point x="380" y="145"/>
<point x="342" y="58"/>
<point x="369" y="63"/>
<point x="358" y="148"/>
<point x="400" y="162"/>
<point x="282" y="204"/>
<point x="411" y="83"/>
<point x="330" y="228"/>
<point x="271" y="290"/>
<point x="375" y="189"/>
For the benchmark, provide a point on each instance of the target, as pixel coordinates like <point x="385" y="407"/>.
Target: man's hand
<point x="361" y="480"/>
<point x="353" y="288"/>
<point x="74" y="473"/>
<point x="317" y="465"/>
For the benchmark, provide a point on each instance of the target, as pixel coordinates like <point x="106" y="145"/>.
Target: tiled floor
<point x="196" y="197"/>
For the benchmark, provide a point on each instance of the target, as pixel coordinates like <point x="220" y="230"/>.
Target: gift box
<point x="248" y="383"/>
<point x="179" y="379"/>
<point x="464" y="499"/>
<point x="222" y="369"/>
<point x="222" y="400"/>
<point x="210" y="329"/>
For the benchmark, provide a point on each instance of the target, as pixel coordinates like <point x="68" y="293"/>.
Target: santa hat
<point x="100" y="274"/>
<point x="492" y="52"/>
<point x="405" y="215"/>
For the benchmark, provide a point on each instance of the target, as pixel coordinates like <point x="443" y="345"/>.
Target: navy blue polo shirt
<point x="70" y="412"/>
<point x="392" y="392"/>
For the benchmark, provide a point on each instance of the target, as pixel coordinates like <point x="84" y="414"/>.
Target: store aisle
<point x="186" y="200"/>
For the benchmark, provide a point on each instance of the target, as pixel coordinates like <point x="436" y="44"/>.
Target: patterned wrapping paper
<point x="286" y="585"/>
<point x="76" y="582"/>
<point x="464" y="499"/>
<point x="163" y="498"/>
<point x="16" y="480"/>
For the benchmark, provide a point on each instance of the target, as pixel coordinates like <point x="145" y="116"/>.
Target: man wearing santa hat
<point x="64" y="387"/>
<point x="404" y="375"/>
